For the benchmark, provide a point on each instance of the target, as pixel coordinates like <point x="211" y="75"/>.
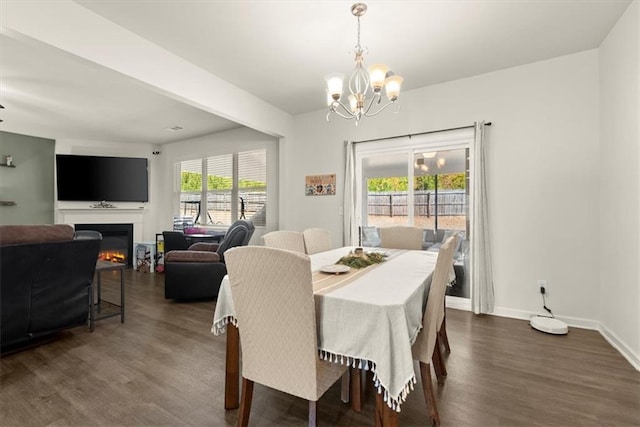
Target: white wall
<point x="211" y="145"/>
<point x="619" y="293"/>
<point x="543" y="153"/>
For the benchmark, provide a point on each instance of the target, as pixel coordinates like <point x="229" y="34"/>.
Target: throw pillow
<point x="447" y="234"/>
<point x="370" y="233"/>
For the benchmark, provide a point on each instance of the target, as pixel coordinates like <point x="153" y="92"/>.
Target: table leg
<point x="385" y="416"/>
<point x="356" y="389"/>
<point x="99" y="276"/>
<point x="232" y="368"/>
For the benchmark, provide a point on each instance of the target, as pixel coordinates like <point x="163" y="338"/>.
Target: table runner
<point x="370" y="322"/>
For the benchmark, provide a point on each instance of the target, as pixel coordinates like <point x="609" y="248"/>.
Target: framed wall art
<point x="320" y="185"/>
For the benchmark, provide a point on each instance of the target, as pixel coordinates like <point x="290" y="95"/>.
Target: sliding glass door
<point x="418" y="181"/>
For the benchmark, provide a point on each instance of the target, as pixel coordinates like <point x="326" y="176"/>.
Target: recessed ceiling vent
<point x="174" y="128"/>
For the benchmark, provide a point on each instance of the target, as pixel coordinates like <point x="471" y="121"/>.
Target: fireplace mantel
<point x="82" y="215"/>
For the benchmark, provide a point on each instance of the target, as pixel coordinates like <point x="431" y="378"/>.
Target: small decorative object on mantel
<point x="360" y="259"/>
<point x="9" y="160"/>
<point x="102" y="205"/>
<point x="320" y="185"/>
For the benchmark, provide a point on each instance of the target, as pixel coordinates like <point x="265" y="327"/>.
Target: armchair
<point x="174" y="240"/>
<point x="198" y="271"/>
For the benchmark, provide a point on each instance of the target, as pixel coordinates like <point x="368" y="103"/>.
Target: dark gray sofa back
<point x="44" y="287"/>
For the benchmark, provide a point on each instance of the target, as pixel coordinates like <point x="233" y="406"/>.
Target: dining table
<point x="367" y="318"/>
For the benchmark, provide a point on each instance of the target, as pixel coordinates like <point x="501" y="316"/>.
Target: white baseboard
<point x="576" y="322"/>
<point x="619" y="345"/>
<point x="459" y="303"/>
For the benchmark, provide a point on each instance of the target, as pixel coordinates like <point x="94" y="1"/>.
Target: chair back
<point x="425" y="343"/>
<point x="285" y="239"/>
<point x="174" y="241"/>
<point x="401" y="237"/>
<point x="238" y="234"/>
<point x="316" y="240"/>
<point x="273" y="294"/>
<point x="251" y="227"/>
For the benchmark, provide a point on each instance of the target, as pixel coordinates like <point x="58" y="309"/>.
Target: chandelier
<point x="364" y="86"/>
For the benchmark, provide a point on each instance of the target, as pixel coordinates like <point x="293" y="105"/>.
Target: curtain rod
<point x="419" y="133"/>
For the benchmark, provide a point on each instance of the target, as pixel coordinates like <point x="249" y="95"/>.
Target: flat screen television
<point x="96" y="178"/>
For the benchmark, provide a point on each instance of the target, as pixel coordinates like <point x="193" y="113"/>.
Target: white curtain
<point x="350" y="230"/>
<point x="482" y="294"/>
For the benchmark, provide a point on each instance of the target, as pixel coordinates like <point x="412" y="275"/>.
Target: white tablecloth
<point x="371" y="322"/>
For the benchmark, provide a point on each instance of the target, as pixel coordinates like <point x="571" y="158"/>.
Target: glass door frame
<point x="410" y="146"/>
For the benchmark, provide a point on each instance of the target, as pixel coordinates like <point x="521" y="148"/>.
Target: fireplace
<point x="117" y="241"/>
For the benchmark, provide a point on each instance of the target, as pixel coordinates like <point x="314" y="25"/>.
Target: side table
<point x="99" y="308"/>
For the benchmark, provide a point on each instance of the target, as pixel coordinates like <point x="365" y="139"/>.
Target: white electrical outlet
<point x="542" y="284"/>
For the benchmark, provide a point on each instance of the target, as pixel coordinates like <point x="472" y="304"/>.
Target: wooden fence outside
<point x="450" y="203"/>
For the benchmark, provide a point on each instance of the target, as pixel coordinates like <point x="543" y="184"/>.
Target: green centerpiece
<point x="359" y="259"/>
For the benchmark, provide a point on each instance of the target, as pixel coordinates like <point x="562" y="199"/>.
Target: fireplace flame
<point x="112" y="256"/>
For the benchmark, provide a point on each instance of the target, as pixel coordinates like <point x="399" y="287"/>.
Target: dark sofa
<point x="45" y="275"/>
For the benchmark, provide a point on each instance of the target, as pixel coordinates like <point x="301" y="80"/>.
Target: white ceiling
<point x="278" y="51"/>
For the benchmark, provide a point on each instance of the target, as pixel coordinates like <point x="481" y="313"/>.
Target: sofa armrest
<point x="203" y="246"/>
<point x="191" y="256"/>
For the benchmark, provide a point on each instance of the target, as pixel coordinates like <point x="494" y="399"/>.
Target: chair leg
<point x="438" y="363"/>
<point x="427" y="387"/>
<point x="313" y="416"/>
<point x="443" y="334"/>
<point x="245" y="402"/>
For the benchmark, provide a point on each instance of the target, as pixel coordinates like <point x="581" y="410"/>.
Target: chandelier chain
<point x="358" y="47"/>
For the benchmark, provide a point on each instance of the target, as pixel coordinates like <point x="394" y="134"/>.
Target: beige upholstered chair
<point x="443" y="339"/>
<point x="424" y="349"/>
<point x="401" y="237"/>
<point x="285" y="239"/>
<point x="316" y="240"/>
<point x="273" y="294"/>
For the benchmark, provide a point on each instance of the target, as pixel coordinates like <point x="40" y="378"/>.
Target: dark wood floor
<point x="164" y="367"/>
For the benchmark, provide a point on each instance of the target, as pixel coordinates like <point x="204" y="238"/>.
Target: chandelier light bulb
<point x="377" y="75"/>
<point x="353" y="103"/>
<point x="392" y="87"/>
<point x="334" y="85"/>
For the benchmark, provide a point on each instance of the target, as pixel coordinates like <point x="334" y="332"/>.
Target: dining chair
<point x="401" y="237"/>
<point x="316" y="240"/>
<point x="273" y="293"/>
<point x="443" y="338"/>
<point x="285" y="239"/>
<point x="425" y="349"/>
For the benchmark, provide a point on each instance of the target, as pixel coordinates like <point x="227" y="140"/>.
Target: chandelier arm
<point x="375" y="99"/>
<point x="334" y="109"/>
<point x="375" y="113"/>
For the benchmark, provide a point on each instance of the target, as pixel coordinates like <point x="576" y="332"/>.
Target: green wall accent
<point x="30" y="184"/>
